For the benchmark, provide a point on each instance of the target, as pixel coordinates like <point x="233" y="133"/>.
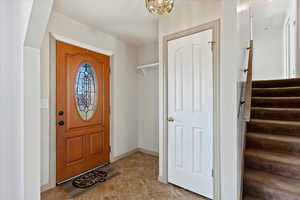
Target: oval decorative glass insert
<point x="86" y="92"/>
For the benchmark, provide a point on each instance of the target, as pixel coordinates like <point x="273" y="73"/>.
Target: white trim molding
<point x="80" y="44"/>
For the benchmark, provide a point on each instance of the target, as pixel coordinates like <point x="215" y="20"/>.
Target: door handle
<point x="171" y="119"/>
<point x="61" y="123"/>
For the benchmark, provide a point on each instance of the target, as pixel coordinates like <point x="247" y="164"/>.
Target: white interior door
<point x="190" y="112"/>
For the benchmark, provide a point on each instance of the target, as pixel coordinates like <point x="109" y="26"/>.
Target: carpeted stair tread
<point x="276" y="92"/>
<point x="281" y="164"/>
<point x="276" y="102"/>
<point x="292" y="114"/>
<point x="277" y="143"/>
<point x="272" y="152"/>
<point x="276" y="83"/>
<point x="274" y="156"/>
<point x="268" y="186"/>
<point x="291" y="128"/>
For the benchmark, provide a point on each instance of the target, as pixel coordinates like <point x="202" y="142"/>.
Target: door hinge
<point x="212" y="173"/>
<point x="212" y="44"/>
<point x="109" y="148"/>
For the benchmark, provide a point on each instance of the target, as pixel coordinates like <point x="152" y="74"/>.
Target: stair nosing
<point x="270" y="98"/>
<point x="278" y="88"/>
<point x="277" y="137"/>
<point x="282" y="158"/>
<point x="271" y="121"/>
<point x="275" y="80"/>
<point x="274" y="109"/>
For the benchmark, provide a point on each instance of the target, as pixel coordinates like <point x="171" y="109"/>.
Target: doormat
<point x="89" y="180"/>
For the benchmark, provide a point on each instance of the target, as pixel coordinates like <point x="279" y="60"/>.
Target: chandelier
<point x="159" y="7"/>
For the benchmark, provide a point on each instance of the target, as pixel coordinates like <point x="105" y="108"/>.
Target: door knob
<point x="61" y="123"/>
<point x="171" y="119"/>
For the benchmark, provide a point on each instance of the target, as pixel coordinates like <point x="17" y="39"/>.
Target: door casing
<point x="52" y="103"/>
<point x="215" y="27"/>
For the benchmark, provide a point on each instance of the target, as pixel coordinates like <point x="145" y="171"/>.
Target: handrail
<point x="246" y="110"/>
<point x="248" y="85"/>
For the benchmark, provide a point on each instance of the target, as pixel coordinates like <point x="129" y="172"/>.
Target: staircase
<point x="272" y="154"/>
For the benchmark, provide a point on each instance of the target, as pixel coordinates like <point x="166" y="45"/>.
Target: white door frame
<point x="53" y="37"/>
<point x="287" y="55"/>
<point x="215" y="27"/>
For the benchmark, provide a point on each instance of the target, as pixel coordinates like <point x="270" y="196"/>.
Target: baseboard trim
<point x="162" y="179"/>
<point x="124" y="155"/>
<point x="153" y="153"/>
<point x="46" y="187"/>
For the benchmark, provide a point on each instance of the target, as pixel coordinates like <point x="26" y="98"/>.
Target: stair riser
<point x="276" y="83"/>
<point x="276" y="93"/>
<point x="290" y="130"/>
<point x="292" y="115"/>
<point x="271" y="145"/>
<point x="276" y="168"/>
<point x="276" y="103"/>
<point x="260" y="191"/>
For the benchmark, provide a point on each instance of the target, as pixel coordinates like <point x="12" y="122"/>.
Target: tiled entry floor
<point x="138" y="181"/>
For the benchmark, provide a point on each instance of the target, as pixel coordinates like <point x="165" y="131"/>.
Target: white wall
<point x="20" y="35"/>
<point x="230" y="60"/>
<point x="192" y="13"/>
<point x="298" y="38"/>
<point x="268" y="54"/>
<point x="148" y="99"/>
<point x="123" y="83"/>
<point x="13" y="21"/>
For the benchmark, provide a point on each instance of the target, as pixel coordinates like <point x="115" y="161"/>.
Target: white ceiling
<point x="270" y="14"/>
<point x="126" y="19"/>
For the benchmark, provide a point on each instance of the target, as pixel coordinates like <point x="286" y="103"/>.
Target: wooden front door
<point x="82" y="110"/>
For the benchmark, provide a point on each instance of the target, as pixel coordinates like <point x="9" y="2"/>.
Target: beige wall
<point x="14" y="18"/>
<point x="123" y="86"/>
<point x="268" y="62"/>
<point x="148" y="99"/>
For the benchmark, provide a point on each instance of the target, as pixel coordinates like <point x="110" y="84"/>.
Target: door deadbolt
<point x="171" y="119"/>
<point x="61" y="123"/>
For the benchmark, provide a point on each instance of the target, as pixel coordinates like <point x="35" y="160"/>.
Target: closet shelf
<point x="142" y="68"/>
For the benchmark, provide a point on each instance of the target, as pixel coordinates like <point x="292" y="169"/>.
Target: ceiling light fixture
<point x="159" y="7"/>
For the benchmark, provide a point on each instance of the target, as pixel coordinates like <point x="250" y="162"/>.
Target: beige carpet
<point x="137" y="181"/>
<point x="272" y="156"/>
